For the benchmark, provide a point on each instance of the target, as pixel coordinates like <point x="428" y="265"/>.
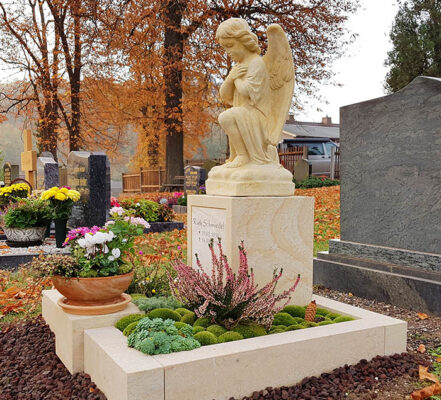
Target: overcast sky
<point x="361" y="71"/>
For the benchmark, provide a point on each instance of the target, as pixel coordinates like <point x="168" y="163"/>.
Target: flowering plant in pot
<point x="61" y="200"/>
<point x="24" y="222"/>
<point x="102" y="272"/>
<point x="13" y="192"/>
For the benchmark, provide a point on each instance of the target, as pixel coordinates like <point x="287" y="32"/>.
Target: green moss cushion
<point x="197" y="329"/>
<point x="205" y="338"/>
<point x="250" y="330"/>
<point x="130" y="328"/>
<point x="295" y="311"/>
<point x="127" y="320"/>
<point x="183" y="311"/>
<point x="204" y="322"/>
<point x="272" y="331"/>
<point x="229" y="337"/>
<point x="164" y="313"/>
<point x="295" y="327"/>
<point x="283" y="318"/>
<point x="325" y="323"/>
<point x="309" y="324"/>
<point x="181" y="325"/>
<point x="333" y="315"/>
<point x="343" y="318"/>
<point x="322" y="311"/>
<point x="189" y="318"/>
<point x="216" y="330"/>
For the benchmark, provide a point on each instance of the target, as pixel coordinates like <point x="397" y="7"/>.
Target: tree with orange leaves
<point x="181" y="34"/>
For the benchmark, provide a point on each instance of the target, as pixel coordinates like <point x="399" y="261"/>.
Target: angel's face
<point x="235" y="49"/>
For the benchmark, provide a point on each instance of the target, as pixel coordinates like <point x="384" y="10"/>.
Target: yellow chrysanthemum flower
<point x="64" y="190"/>
<point x="60" y="196"/>
<point x="73" y="195"/>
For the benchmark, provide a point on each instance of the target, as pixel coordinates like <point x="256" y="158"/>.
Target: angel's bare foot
<point x="238" y="162"/>
<point x="228" y="160"/>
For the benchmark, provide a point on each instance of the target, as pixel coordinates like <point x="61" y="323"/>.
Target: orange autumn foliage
<point x="429" y="391"/>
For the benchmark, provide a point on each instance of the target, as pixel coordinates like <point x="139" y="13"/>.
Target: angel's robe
<point x="251" y="101"/>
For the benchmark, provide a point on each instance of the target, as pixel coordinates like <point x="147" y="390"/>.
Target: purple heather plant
<point x="225" y="297"/>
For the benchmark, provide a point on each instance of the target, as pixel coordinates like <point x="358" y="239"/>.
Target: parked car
<point x="318" y="154"/>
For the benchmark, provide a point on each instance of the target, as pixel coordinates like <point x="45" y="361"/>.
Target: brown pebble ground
<point x="30" y="369"/>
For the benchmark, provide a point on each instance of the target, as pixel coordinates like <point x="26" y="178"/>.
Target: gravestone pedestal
<point x="277" y="232"/>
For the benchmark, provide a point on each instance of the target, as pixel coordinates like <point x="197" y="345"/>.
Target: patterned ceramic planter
<point x="25" y="235"/>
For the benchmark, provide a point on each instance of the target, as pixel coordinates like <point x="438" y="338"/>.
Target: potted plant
<point x="101" y="273"/>
<point x="13" y="193"/>
<point x="24" y="222"/>
<point x="61" y="200"/>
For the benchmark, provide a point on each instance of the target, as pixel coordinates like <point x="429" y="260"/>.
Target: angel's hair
<point x="238" y="28"/>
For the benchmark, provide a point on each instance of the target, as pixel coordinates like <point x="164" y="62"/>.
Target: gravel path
<point x="30" y="369"/>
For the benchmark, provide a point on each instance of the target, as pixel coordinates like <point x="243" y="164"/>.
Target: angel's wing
<point x="280" y="66"/>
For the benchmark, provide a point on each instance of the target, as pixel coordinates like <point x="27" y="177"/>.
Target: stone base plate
<point x="237" y="369"/>
<point x="119" y="305"/>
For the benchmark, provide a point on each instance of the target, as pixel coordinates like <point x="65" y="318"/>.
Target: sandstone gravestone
<point x="302" y="170"/>
<point x="87" y="174"/>
<point x="390" y="200"/>
<point x="10" y="172"/>
<point x="47" y="173"/>
<point x="194" y="178"/>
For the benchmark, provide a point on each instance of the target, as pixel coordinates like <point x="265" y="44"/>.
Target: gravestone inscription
<point x="194" y="178"/>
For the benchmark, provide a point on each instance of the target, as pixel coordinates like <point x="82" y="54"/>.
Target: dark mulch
<point x="360" y="379"/>
<point x="30" y="369"/>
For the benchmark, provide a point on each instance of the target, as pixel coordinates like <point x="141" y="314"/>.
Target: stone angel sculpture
<point x="260" y="90"/>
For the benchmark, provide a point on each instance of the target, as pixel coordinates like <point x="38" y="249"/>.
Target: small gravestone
<point x="47" y="173"/>
<point x="194" y="178"/>
<point x="87" y="173"/>
<point x="390" y="207"/>
<point x="10" y="172"/>
<point x="62" y="173"/>
<point x="302" y="170"/>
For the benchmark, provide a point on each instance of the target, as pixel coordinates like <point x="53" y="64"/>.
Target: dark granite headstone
<point x="194" y="178"/>
<point x="10" y="172"/>
<point x="390" y="199"/>
<point x="47" y="173"/>
<point x="88" y="173"/>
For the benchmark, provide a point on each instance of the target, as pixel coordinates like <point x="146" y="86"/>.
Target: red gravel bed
<point x="30" y="369"/>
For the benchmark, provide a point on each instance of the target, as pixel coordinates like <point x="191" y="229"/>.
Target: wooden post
<point x="29" y="158"/>
<point x="332" y="175"/>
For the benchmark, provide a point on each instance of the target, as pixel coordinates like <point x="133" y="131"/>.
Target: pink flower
<point x="114" y="202"/>
<point x="140" y="252"/>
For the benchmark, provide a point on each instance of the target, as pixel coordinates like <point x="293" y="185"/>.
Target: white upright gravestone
<point x="251" y="197"/>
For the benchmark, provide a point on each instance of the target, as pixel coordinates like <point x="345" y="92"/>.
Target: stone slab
<point x="405" y="291"/>
<point x="391" y="169"/>
<point x="414" y="259"/>
<point x="69" y="328"/>
<point x="277" y="232"/>
<point x="127" y="374"/>
<point x="240" y="368"/>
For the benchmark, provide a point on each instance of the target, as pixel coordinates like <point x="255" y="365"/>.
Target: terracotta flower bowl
<point x="93" y="296"/>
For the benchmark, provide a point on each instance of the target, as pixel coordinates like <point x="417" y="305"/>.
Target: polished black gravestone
<point x="390" y="247"/>
<point x="87" y="173"/>
<point x="194" y="178"/>
<point x="47" y="173"/>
